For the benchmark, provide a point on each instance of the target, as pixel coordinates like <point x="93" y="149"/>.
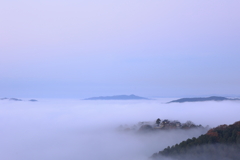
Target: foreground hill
<point x="220" y="143"/>
<point x="213" y="98"/>
<point x="118" y="97"/>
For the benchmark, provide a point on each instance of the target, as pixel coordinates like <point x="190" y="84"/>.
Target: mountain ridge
<point x="118" y="97"/>
<point x="202" y="99"/>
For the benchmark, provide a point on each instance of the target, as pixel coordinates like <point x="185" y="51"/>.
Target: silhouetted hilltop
<point x="118" y="97"/>
<point x="213" y="98"/>
<point x="220" y="143"/>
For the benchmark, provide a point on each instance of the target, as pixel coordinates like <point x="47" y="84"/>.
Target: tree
<point x="158" y="121"/>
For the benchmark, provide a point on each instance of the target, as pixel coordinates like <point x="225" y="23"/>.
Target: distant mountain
<point x="118" y="97"/>
<point x="220" y="143"/>
<point x="3" y="98"/>
<point x="213" y="98"/>
<point x="16" y="99"/>
<point x="33" y="100"/>
<point x="11" y="99"/>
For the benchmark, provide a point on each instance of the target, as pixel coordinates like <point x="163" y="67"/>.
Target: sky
<point x="155" y="48"/>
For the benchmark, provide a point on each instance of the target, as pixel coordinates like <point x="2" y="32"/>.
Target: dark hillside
<point x="222" y="143"/>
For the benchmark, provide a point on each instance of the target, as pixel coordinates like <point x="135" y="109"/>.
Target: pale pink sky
<point x="152" y="48"/>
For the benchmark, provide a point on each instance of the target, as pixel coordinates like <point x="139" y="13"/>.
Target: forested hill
<point x="220" y="143"/>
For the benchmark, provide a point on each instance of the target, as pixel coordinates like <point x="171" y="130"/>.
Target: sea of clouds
<point x="53" y="129"/>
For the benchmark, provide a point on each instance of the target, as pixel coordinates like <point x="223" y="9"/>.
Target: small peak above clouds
<point x="33" y="100"/>
<point x="17" y="99"/>
<point x="11" y="99"/>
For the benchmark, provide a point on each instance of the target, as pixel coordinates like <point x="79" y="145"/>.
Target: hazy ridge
<point x="203" y="99"/>
<point x="118" y="97"/>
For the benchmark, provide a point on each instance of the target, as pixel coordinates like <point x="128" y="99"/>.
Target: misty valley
<point x="119" y="130"/>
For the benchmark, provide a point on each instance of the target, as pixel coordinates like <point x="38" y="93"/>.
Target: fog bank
<point x="77" y="129"/>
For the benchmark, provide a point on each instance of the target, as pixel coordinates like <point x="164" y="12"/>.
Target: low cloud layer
<point x="76" y="129"/>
